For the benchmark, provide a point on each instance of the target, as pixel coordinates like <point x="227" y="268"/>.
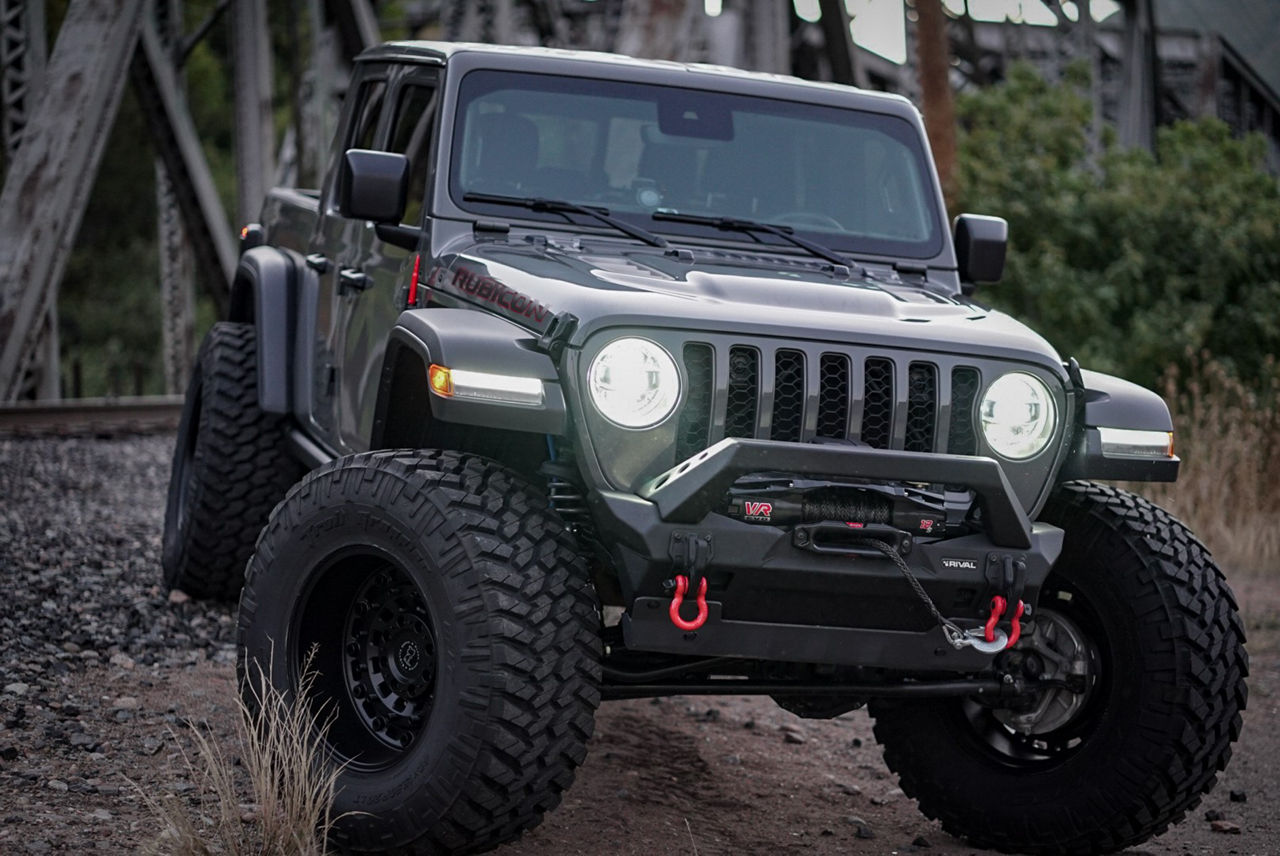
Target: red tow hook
<point x="998" y="606"/>
<point x="682" y="586"/>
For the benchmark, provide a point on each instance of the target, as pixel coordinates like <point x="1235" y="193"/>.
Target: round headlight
<point x="634" y="383"/>
<point x="1018" y="416"/>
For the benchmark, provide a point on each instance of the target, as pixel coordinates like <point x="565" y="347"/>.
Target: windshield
<point x="855" y="180"/>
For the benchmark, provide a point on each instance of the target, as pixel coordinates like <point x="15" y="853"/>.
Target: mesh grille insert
<point x="788" y="395"/>
<point x="877" y="408"/>
<point x="695" y="416"/>
<point x="962" y="434"/>
<point x="833" y="396"/>
<point x="744" y="390"/>
<point x="922" y="406"/>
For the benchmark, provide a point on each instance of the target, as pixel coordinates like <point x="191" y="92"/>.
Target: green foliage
<point x="1125" y="260"/>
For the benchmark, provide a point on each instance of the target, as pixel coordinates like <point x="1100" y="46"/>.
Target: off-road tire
<point x="1156" y="728"/>
<point x="230" y="468"/>
<point x="459" y="559"/>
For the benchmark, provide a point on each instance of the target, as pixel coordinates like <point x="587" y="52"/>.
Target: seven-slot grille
<point x="805" y="392"/>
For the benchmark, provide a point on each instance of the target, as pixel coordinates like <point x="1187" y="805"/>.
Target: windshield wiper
<point x="560" y="206"/>
<point x="734" y="224"/>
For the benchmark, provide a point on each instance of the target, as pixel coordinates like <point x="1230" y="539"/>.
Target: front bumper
<point x="771" y="599"/>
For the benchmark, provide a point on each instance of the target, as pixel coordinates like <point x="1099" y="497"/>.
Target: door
<point x="384" y="269"/>
<point x="336" y="249"/>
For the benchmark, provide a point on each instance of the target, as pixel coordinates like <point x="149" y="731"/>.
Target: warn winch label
<point x="960" y="564"/>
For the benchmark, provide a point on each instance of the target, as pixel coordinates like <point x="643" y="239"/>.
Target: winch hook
<point x="682" y="587"/>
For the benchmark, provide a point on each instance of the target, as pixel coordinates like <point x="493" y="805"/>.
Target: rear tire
<point x="1143" y="615"/>
<point x="230" y="468"/>
<point x="456" y="642"/>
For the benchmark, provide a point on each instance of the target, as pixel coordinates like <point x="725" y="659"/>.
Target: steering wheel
<point x="807" y="218"/>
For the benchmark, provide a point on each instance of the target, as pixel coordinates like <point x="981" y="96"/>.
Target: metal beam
<point x="49" y="179"/>
<point x="177" y="267"/>
<point x="251" y="56"/>
<point x="22" y="61"/>
<point x="174" y="136"/>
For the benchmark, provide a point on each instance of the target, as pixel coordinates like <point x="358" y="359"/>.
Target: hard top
<point x="667" y="72"/>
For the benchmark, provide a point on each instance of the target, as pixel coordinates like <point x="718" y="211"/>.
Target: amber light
<point x="440" y="379"/>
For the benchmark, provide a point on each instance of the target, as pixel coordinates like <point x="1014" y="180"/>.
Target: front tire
<point x="230" y="468"/>
<point x="455" y="638"/>
<point x="1150" y="640"/>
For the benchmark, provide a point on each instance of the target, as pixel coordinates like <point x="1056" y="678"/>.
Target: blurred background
<point x="1133" y="146"/>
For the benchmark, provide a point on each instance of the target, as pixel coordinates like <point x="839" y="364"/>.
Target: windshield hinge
<point x="556" y="336"/>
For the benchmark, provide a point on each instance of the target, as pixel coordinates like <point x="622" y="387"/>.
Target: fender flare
<point x="1111" y="402"/>
<point x="263" y="293"/>
<point x="462" y="339"/>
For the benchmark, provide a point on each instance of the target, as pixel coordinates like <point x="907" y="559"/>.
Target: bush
<point x="1125" y="260"/>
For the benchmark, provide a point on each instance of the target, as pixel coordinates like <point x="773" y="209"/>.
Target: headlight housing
<point x="1018" y="416"/>
<point x="634" y="383"/>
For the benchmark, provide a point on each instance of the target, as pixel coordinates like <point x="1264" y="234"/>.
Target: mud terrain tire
<point x="1166" y="689"/>
<point x="230" y="468"/>
<point x="456" y="639"/>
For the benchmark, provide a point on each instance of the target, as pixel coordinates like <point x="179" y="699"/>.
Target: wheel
<point x="1142" y="633"/>
<point x="230" y="468"/>
<point x="456" y="644"/>
<point x="807" y="219"/>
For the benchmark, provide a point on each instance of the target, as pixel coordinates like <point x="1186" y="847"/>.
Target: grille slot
<point x="744" y="392"/>
<point x="877" y="407"/>
<point x="788" y="395"/>
<point x="962" y="436"/>
<point x="833" y="396"/>
<point x="922" y="406"/>
<point x="695" y="416"/>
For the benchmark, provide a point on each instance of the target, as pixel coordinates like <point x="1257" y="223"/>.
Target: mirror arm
<point x="405" y="237"/>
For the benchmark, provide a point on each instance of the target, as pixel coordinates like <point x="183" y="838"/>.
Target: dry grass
<point x="1228" y="490"/>
<point x="282" y="765"/>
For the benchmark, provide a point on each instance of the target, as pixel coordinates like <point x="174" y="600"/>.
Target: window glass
<point x="857" y="180"/>
<point x="367" y="112"/>
<point x="411" y="136"/>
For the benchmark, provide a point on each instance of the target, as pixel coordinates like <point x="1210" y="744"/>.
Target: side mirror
<point x="373" y="185"/>
<point x="980" y="247"/>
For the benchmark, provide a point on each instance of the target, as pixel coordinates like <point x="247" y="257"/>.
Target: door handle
<point x="318" y="263"/>
<point x="351" y="279"/>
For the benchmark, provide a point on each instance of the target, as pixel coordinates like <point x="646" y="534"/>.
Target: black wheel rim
<point x="369" y="633"/>
<point x="989" y="727"/>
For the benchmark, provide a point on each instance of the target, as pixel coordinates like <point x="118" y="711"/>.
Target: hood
<point x="716" y="290"/>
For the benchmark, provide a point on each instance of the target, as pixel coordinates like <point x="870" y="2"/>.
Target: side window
<point x="411" y="136"/>
<point x="368" y="108"/>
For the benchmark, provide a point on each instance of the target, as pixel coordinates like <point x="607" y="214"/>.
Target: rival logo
<point x="960" y="564"/>
<point x="757" y="510"/>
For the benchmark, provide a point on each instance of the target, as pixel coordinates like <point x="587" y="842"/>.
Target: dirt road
<point x="99" y="670"/>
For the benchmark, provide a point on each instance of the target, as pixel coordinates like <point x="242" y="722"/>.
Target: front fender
<point x="1110" y="402"/>
<point x="462" y="339"/>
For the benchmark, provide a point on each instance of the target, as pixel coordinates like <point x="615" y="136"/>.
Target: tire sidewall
<point x="183" y="481"/>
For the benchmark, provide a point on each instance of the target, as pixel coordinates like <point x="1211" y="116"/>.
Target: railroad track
<point x="94" y="417"/>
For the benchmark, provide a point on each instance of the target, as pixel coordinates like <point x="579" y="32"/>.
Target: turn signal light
<point x="441" y="380"/>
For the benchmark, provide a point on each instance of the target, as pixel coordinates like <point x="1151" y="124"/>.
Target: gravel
<point x="99" y="667"/>
<point x="80" y="527"/>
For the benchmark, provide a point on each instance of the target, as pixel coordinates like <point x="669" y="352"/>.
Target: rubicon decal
<point x="490" y="290"/>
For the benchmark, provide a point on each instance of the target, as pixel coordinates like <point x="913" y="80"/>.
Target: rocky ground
<point x="103" y="676"/>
